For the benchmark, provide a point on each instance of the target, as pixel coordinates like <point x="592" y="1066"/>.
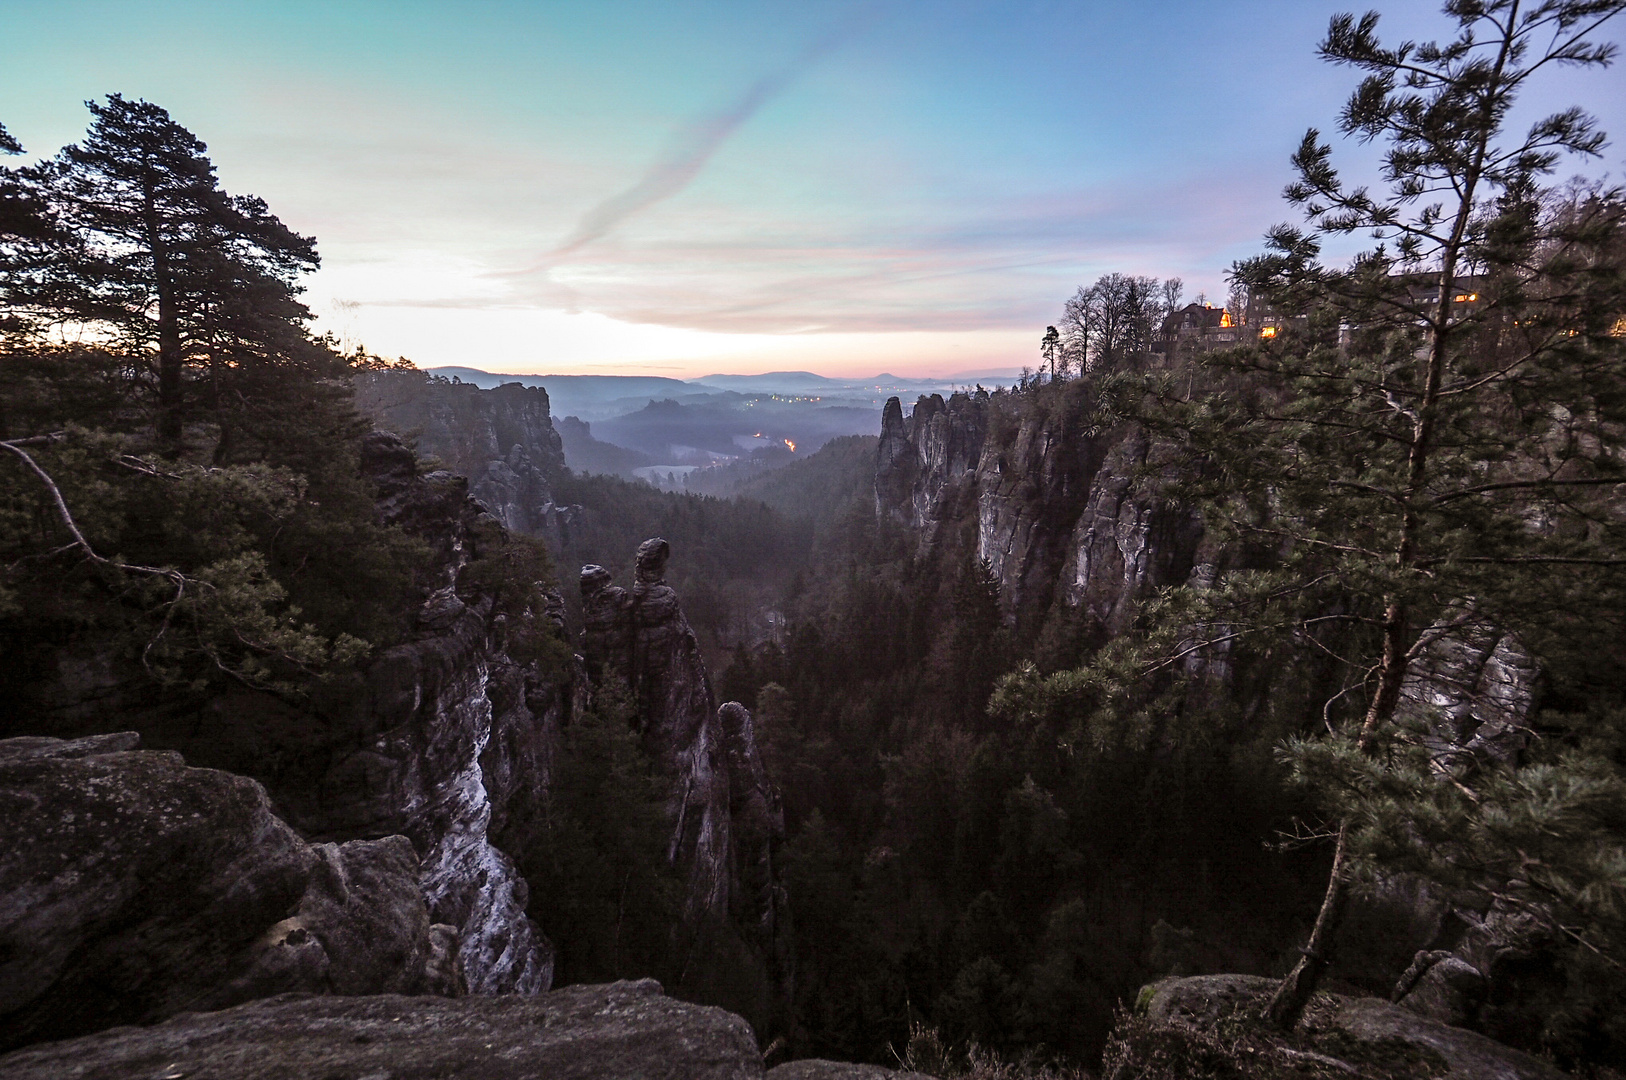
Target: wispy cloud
<point x="963" y="263"/>
<point x="689" y="153"/>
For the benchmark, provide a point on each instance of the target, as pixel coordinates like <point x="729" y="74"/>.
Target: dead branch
<point x="175" y="577"/>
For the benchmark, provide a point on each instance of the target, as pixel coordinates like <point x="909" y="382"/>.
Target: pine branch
<point x="1516" y="560"/>
<point x="1513" y="485"/>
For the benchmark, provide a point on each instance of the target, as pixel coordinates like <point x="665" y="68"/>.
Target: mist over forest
<point x="1223" y="686"/>
<point x="702" y="434"/>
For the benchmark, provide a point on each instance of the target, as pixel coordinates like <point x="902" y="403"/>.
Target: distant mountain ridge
<point x="768" y="382"/>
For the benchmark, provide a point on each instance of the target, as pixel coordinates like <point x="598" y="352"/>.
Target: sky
<point x="684" y="188"/>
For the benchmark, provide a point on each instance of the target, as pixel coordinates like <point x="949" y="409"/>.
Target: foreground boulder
<point x="622" y="1030"/>
<point x="133" y="887"/>
<point x="1211" y="1022"/>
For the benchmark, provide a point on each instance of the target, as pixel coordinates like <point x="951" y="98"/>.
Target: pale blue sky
<point x="692" y="187"/>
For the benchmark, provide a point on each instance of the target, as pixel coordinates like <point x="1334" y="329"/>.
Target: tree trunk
<point x="169" y="333"/>
<point x="1295" y="991"/>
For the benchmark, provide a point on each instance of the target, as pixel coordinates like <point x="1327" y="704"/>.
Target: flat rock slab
<point x="619" y="1031"/>
<point x="820" y="1069"/>
<point x="1202" y="1001"/>
<point x="1470" y="1055"/>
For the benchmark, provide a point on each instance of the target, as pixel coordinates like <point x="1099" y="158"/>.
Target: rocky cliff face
<point x="502" y="440"/>
<point x="462" y="755"/>
<point x="1129" y="538"/>
<point x="1059" y="509"/>
<point x="445" y="738"/>
<point x="1485" y="961"/>
<point x="454" y="737"/>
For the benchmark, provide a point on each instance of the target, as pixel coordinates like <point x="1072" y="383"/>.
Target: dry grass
<point x="928" y="1053"/>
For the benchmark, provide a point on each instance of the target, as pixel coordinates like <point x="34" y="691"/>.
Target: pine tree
<point x="23" y="223"/>
<point x="158" y="261"/>
<point x="1431" y="443"/>
<point x="126" y="276"/>
<point x="1438" y="437"/>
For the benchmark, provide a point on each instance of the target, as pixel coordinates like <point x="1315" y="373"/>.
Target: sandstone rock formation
<point x="625" y="1029"/>
<point x="133" y="887"/>
<point x="1495" y="974"/>
<point x="924" y="461"/>
<point x="727" y="822"/>
<point x="502" y="440"/>
<point x="459" y="737"/>
<point x="1056" y="506"/>
<point x="1475" y="686"/>
<point x="1130" y="538"/>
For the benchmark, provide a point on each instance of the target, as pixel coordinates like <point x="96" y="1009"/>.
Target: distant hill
<point x="773" y="382"/>
<point x="600" y="397"/>
<point x="591" y="397"/>
<point x="586" y="454"/>
<point x="611" y="385"/>
<point x="806" y="382"/>
<point x="705" y="431"/>
<point x="822" y="485"/>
